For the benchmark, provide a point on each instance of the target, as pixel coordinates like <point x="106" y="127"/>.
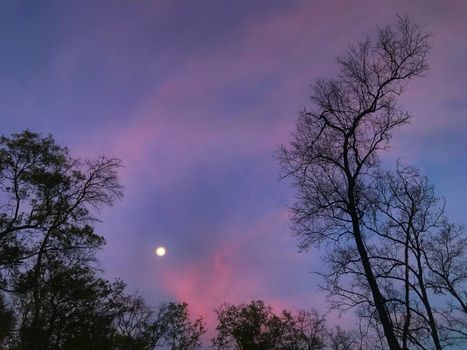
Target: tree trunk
<point x="376" y="293"/>
<point x="34" y="341"/>
<point x="426" y="303"/>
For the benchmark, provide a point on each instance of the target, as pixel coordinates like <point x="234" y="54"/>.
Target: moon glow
<point x="160" y="251"/>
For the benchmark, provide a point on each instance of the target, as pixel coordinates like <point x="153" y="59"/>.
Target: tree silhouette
<point x="255" y="327"/>
<point x="334" y="151"/>
<point x="419" y="254"/>
<point x="47" y="213"/>
<point x="54" y="298"/>
<point x="140" y="327"/>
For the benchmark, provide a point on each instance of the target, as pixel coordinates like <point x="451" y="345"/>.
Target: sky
<point x="195" y="97"/>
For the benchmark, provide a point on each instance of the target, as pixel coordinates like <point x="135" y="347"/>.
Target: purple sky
<point x="194" y="97"/>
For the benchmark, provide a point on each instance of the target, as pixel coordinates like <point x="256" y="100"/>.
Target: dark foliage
<point x="52" y="295"/>
<point x="255" y="327"/>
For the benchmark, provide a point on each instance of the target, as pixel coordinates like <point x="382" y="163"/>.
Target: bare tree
<point x="334" y="151"/>
<point x="340" y="339"/>
<point x="445" y="258"/>
<point x="418" y="255"/>
<point x="140" y="327"/>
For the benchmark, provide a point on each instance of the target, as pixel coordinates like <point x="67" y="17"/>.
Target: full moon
<point x="160" y="251"/>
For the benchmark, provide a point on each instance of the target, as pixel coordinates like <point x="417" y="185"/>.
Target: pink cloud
<point x="186" y="119"/>
<point x="244" y="266"/>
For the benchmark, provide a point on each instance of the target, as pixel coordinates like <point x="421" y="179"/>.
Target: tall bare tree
<point x="334" y="151"/>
